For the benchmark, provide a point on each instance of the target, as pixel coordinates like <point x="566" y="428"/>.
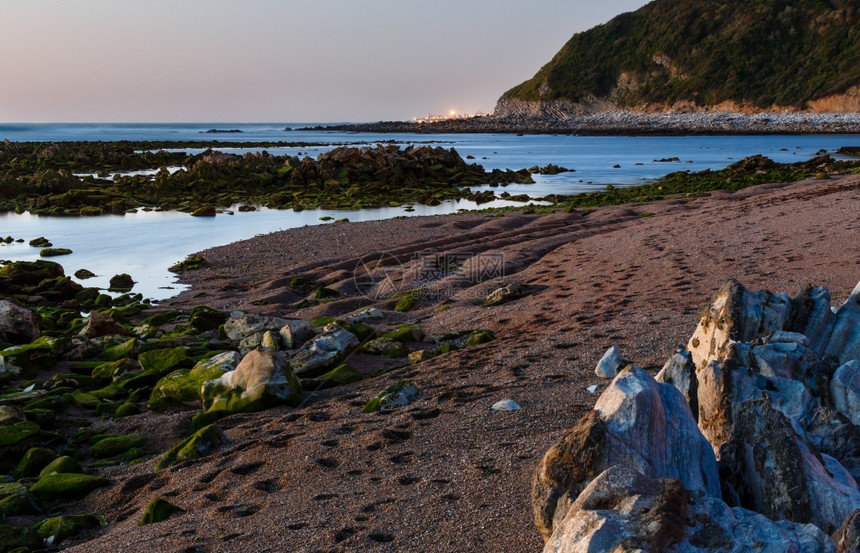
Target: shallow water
<point x="144" y="244"/>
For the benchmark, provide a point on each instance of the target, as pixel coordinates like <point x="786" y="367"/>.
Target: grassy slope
<point x="762" y="52"/>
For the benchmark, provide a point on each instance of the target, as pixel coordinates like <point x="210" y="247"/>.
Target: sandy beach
<point x="447" y="473"/>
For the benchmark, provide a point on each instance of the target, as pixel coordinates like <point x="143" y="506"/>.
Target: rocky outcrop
<point x="637" y="423"/>
<point x="760" y="373"/>
<point x="18" y="325"/>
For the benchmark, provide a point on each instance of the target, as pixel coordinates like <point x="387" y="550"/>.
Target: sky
<point x="275" y="60"/>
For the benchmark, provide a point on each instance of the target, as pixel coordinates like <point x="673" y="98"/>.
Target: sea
<point x="145" y="244"/>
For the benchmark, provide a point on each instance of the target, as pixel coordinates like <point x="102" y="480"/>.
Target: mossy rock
<point x="70" y="380"/>
<point x="478" y="337"/>
<point x="405" y="303"/>
<point x="115" y="446"/>
<point x="386" y="347"/>
<point x="19" y="504"/>
<point x="40" y="242"/>
<point x="323" y="293"/>
<point x="121" y="282"/>
<point x="61" y="465"/>
<point x="19" y="540"/>
<point x="205" y="211"/>
<point x="120" y="351"/>
<point x="107" y="372"/>
<point x="343" y="374"/>
<point x="84" y="274"/>
<point x="190" y="263"/>
<point x="158" y="510"/>
<point x="84" y="399"/>
<point x="163" y="360"/>
<point x="201" y="443"/>
<point x="55" y="252"/>
<point x="111" y="392"/>
<point x="183" y="387"/>
<point x="406" y="334"/>
<point x="204" y="318"/>
<point x="422" y="355"/>
<point x="448" y="348"/>
<point x="31" y="273"/>
<point x="15" y="440"/>
<point x="323" y="321"/>
<point x="29" y="359"/>
<point x="127" y="410"/>
<point x="32" y="463"/>
<point x="65" y="526"/>
<point x="362" y="331"/>
<point x="398" y="394"/>
<point x="66" y="487"/>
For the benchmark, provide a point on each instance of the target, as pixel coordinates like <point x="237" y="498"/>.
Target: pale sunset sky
<point x="275" y="61"/>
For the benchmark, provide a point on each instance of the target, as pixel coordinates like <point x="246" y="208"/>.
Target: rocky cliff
<point x="702" y="55"/>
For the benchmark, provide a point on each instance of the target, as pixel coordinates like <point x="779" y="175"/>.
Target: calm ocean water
<point x="145" y="244"/>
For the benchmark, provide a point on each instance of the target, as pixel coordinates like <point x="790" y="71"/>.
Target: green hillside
<point x="759" y="52"/>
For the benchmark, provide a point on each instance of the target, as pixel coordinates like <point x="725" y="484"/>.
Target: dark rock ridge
<point x="774" y="385"/>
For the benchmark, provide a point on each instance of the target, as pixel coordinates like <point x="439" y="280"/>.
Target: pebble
<point x="506" y="405"/>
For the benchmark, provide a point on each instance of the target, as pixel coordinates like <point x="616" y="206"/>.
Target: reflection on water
<point x="144" y="244"/>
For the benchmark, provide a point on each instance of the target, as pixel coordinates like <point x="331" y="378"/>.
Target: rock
<point x="609" y="364"/>
<point x="844" y="344"/>
<point x="246" y="331"/>
<point x="680" y="372"/>
<point x="845" y="390"/>
<point x="811" y="316"/>
<point x="84" y="274"/>
<point x="19" y="539"/>
<point x="31" y="273"/>
<point x="406" y="334"/>
<point x="56" y="529"/>
<point x="158" y="510"/>
<point x="18" y="325"/>
<point x="478" y="337"/>
<point x="29" y="359"/>
<point x="114" y="446"/>
<point x="32" y="463"/>
<point x="371" y="313"/>
<point x="205" y="318"/>
<point x="164" y="360"/>
<point x="386" y="347"/>
<point x="422" y="355"/>
<point x="397" y="395"/>
<point x="10" y="414"/>
<point x="40" y="242"/>
<point x="506" y="405"/>
<point x="184" y="387"/>
<point x="296" y="332"/>
<point x="101" y="325"/>
<point x="204" y="211"/>
<point x="260" y="380"/>
<point x="116" y="370"/>
<point x="61" y="465"/>
<point x="323" y="352"/>
<point x="269" y="342"/>
<point x="126" y="349"/>
<point x="121" y="282"/>
<point x="592" y="389"/>
<point x="54" y="252"/>
<point x="344" y="374"/>
<point x="637" y="423"/>
<point x="508" y="293"/>
<point x="65" y="487"/>
<point x="847" y="538"/>
<point x="623" y="510"/>
<point x="201" y="443"/>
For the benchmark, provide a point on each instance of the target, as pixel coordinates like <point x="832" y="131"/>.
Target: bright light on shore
<point x="452" y="113"/>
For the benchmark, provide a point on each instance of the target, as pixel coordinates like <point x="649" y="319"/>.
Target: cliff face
<point x="703" y="55"/>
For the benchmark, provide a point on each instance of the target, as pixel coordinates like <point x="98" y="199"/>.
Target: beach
<point x="447" y="472"/>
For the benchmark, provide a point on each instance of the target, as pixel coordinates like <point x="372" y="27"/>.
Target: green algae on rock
<point x="33" y="461"/>
<point x="158" y="510"/>
<point x="61" y="465"/>
<point x="201" y="443"/>
<point x="54" y="252"/>
<point x="57" y="529"/>
<point x="113" y="446"/>
<point x="478" y="337"/>
<point x="396" y="395"/>
<point x="66" y="487"/>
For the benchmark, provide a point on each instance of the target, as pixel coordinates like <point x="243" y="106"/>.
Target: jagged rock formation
<point x="772" y="386"/>
<point x="691" y="55"/>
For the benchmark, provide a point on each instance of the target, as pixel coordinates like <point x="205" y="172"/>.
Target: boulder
<point x="844" y="344"/>
<point x="184" y="386"/>
<point x="847" y="538"/>
<point x="812" y="317"/>
<point x="246" y="331"/>
<point x="638" y="423"/>
<point x="201" y="443"/>
<point x="609" y="364"/>
<point x="101" y="325"/>
<point x="323" y="352"/>
<point x="845" y="390"/>
<point x="397" y="395"/>
<point x="624" y="510"/>
<point x="260" y="380"/>
<point x="296" y="332"/>
<point x="28" y="359"/>
<point x="18" y="325"/>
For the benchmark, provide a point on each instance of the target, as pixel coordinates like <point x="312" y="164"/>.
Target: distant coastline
<point x="627" y="123"/>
